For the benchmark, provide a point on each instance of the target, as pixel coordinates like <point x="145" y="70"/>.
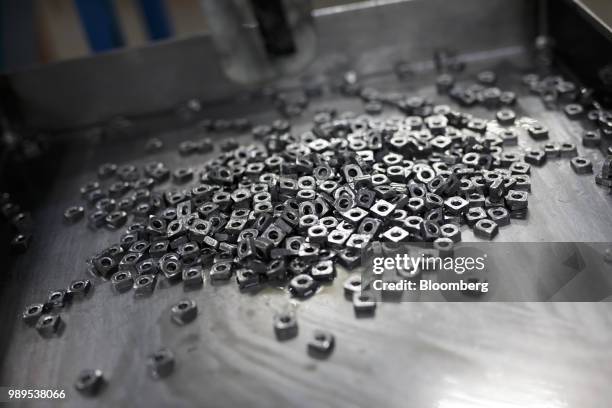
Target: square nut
<point x="285" y="326"/>
<point x="581" y="165"/>
<point x="184" y="312"/>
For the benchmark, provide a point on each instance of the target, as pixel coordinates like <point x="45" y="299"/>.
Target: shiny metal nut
<point x="184" y="312"/>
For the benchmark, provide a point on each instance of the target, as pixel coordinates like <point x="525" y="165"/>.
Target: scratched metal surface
<point x="411" y="354"/>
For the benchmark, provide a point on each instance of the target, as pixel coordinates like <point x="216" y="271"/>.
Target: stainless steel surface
<point x="367" y="36"/>
<point x="410" y="354"/>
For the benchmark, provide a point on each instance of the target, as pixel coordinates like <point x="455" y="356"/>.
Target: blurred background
<point x="33" y="32"/>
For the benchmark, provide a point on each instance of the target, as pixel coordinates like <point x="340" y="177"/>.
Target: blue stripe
<point x="99" y="21"/>
<point x="156" y="18"/>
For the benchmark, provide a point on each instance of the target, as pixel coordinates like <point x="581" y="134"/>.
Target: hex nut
<point x="285" y="326"/>
<point x="184" y="312"/>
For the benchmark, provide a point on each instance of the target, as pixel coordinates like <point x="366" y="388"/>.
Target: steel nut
<point x="184" y="312"/>
<point x="247" y="278"/>
<point x="486" y="228"/>
<point x="581" y="165"/>
<point x="364" y="303"/>
<point x="31" y="313"/>
<point x="48" y="325"/>
<point x="74" y="214"/>
<point x="568" y="150"/>
<point x="451" y="231"/>
<point x="78" y="289"/>
<point x="499" y="215"/>
<point x="221" y="271"/>
<point x="474" y="214"/>
<point x="337" y="238"/>
<point x="285" y="326"/>
<point x="193" y="277"/>
<point x="302" y="286"/>
<point x="89" y="382"/>
<point x="538" y="132"/>
<point x="122" y="281"/>
<point x="456" y="205"/>
<point x="276" y="270"/>
<point x="535" y="157"/>
<point x="161" y="363"/>
<point x="321" y="345"/>
<point x="144" y="285"/>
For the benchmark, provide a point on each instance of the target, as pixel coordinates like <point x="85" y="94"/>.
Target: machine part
<point x="364" y="303"/>
<point x="184" y="312"/>
<point x="302" y="286"/>
<point x="451" y="231"/>
<point x="581" y="165"/>
<point x="48" y="325"/>
<point x="285" y="326"/>
<point x="499" y="215"/>
<point x="221" y="271"/>
<point x="160" y="364"/>
<point x="247" y="278"/>
<point x="122" y="281"/>
<point x="89" y="382"/>
<point x="486" y="228"/>
<point x="74" y="214"/>
<point x="352" y="286"/>
<point x="144" y="285"/>
<point x="31" y="313"/>
<point x="78" y="289"/>
<point x="321" y="345"/>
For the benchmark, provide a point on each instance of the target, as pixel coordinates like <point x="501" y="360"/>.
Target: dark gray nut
<point x="429" y="231"/>
<point x="505" y="117"/>
<point x="336" y="238"/>
<point x="78" y="289"/>
<point x="358" y="242"/>
<point x="523" y="182"/>
<point x="127" y="263"/>
<point x="519" y="168"/>
<point x="581" y="165"/>
<point x="451" y="231"/>
<point x="573" y="111"/>
<point x="486" y="228"/>
<point x="444" y="246"/>
<point x="139" y="247"/>
<point x="355" y="215"/>
<point x="516" y="199"/>
<point x="58" y="298"/>
<point x="96" y="219"/>
<point x="302" y="286"/>
<point x="455" y="205"/>
<point x="184" y="312"/>
<point x="538" y="132"/>
<point x="396" y="234"/>
<point x="509" y="137"/>
<point x="48" y="324"/>
<point x="323" y="271"/>
<point x="475" y="214"/>
<point x="352" y="286"/>
<point x="552" y="150"/>
<point x="568" y="150"/>
<point x="221" y="271"/>
<point x="247" y="278"/>
<point x="105" y="265"/>
<point x="144" y="285"/>
<point x="317" y="234"/>
<point x="89" y="382"/>
<point x="20" y="243"/>
<point x="172" y="266"/>
<point x="285" y="326"/>
<point x="32" y="313"/>
<point x="535" y="157"/>
<point x="74" y="214"/>
<point x="349" y="258"/>
<point x="370" y="226"/>
<point x="308" y="252"/>
<point x="193" y="276"/>
<point x="364" y="303"/>
<point x="147" y="267"/>
<point x="122" y="281"/>
<point x="161" y="363"/>
<point x="412" y="224"/>
<point x="591" y="138"/>
<point x="276" y="270"/>
<point x="182" y="175"/>
<point x="116" y="219"/>
<point x="380" y="209"/>
<point x="321" y="345"/>
<point x="499" y="215"/>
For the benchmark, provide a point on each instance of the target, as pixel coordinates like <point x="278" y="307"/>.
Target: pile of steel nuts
<point x="290" y="207"/>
